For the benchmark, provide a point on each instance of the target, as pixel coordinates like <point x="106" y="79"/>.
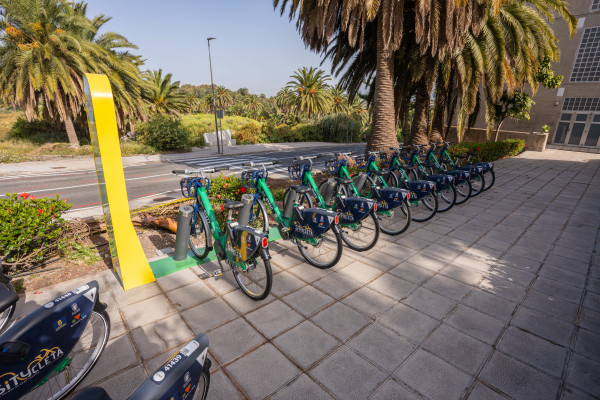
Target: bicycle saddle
<point x="405" y="167"/>
<point x="301" y="189"/>
<point x="343" y="181"/>
<point x="95" y="393"/>
<point x="233" y="205"/>
<point x="382" y="171"/>
<point x="7" y="297"/>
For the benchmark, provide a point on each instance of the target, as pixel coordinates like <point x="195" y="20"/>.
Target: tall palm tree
<point x="223" y="97"/>
<point x="311" y="91"/>
<point x="339" y="100"/>
<point x="253" y="105"/>
<point x="285" y="100"/>
<point x="163" y="94"/>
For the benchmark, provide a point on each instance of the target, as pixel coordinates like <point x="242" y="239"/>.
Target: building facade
<point x="572" y="110"/>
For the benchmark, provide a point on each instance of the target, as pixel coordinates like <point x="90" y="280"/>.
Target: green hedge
<point x="489" y="151"/>
<point x="164" y="133"/>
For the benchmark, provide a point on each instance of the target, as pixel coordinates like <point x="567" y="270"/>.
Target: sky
<point x="255" y="47"/>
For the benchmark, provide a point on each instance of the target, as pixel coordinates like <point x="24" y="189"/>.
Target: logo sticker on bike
<point x="190" y="348"/>
<point x="11" y="380"/>
<point x="61" y="323"/>
<point x="159" y="376"/>
<point x="77" y="318"/>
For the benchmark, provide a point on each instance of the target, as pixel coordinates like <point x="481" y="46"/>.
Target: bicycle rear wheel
<point x="200" y="235"/>
<point x="463" y="191"/>
<point x="325" y="253"/>
<point x="477" y="184"/>
<point x="259" y="218"/>
<point x="362" y="235"/>
<point x="446" y="198"/>
<point x="7" y="314"/>
<point x="203" y="385"/>
<point x="396" y="221"/>
<point x="255" y="278"/>
<point x="79" y="362"/>
<point x="425" y="208"/>
<point x="490" y="180"/>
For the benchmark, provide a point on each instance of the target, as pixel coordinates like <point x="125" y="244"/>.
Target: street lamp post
<point x="213" y="96"/>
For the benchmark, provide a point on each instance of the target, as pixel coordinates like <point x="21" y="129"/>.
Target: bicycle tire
<point x="492" y="181"/>
<point x="335" y="249"/>
<point x="429" y="210"/>
<point x="261" y="289"/>
<point x="259" y="218"/>
<point x="448" y="198"/>
<point x="463" y="191"/>
<point x="392" y="180"/>
<point x="200" y="235"/>
<point x="7" y="314"/>
<point x="403" y="210"/>
<point x="66" y="389"/>
<point x="477" y="188"/>
<point x="203" y="384"/>
<point x="359" y="234"/>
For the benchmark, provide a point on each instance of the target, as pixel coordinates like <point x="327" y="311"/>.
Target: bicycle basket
<point x="250" y="177"/>
<point x="189" y="186"/>
<point x="383" y="158"/>
<point x="361" y="162"/>
<point x="405" y="154"/>
<point x="296" y="171"/>
<point x="331" y="166"/>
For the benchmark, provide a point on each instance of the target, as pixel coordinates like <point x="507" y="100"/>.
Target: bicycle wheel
<point x="7" y="314"/>
<point x="363" y="235"/>
<point x="490" y="182"/>
<point x="446" y="198"/>
<point x="396" y="221"/>
<point x="463" y="191"/>
<point x="203" y="385"/>
<point x="255" y="278"/>
<point x="325" y="253"/>
<point x="477" y="184"/>
<point x="303" y="200"/>
<point x="200" y="234"/>
<point x="80" y="360"/>
<point x="258" y="217"/>
<point x="425" y="208"/>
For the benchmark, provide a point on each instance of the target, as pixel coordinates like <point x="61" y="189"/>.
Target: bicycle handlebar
<point x="302" y="158"/>
<point x="200" y="171"/>
<point x="257" y="164"/>
<point x="321" y="155"/>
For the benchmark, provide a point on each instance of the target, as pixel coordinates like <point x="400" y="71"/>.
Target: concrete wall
<point x="533" y="141"/>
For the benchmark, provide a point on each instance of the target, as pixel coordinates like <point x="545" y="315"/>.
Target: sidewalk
<point x="498" y="298"/>
<point x="83" y="163"/>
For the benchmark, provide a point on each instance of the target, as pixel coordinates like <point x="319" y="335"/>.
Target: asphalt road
<point x="150" y="183"/>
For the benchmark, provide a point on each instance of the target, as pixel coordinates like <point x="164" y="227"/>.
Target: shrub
<point x="250" y="133"/>
<point x="306" y="133"/>
<point x="164" y="133"/>
<point x="31" y="228"/>
<point x="37" y="131"/>
<point x="131" y="148"/>
<point x="489" y="151"/>
<point x="335" y="128"/>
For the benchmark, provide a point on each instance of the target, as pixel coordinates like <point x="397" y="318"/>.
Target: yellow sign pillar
<point x="129" y="261"/>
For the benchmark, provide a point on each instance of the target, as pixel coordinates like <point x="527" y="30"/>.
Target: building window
<point x="587" y="62"/>
<point x="581" y="104"/>
<point x="595" y="5"/>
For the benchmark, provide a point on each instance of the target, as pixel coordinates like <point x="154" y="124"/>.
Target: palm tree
<point x="163" y="94"/>
<point x="223" y="97"/>
<point x="253" y="105"/>
<point x="339" y="100"/>
<point x="311" y="91"/>
<point x="285" y="100"/>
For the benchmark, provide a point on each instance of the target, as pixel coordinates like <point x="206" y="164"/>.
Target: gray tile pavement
<point x="497" y="298"/>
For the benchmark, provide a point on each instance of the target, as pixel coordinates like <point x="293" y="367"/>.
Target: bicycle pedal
<point x="217" y="272"/>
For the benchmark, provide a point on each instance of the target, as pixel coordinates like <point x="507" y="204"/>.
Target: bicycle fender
<point x="312" y="223"/>
<point x="442" y="181"/>
<point x="459" y="176"/>
<point x="418" y="189"/>
<point x="247" y="241"/>
<point x="390" y="198"/>
<point x="353" y="209"/>
<point x="178" y="377"/>
<point x="51" y="332"/>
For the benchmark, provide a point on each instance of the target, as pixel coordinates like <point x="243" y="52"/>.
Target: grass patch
<point x="204" y="123"/>
<point x="84" y="254"/>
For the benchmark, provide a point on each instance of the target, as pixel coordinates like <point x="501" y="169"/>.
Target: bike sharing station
<point x="130" y="264"/>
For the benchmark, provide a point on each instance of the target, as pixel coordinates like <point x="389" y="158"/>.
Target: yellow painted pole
<point x="129" y="261"/>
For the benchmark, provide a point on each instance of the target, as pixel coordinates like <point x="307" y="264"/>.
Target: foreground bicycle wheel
<point x="255" y="278"/>
<point x="463" y="191"/>
<point x="396" y="221"/>
<point x="425" y="208"/>
<point x="7" y="314"/>
<point x="446" y="198"/>
<point x="490" y="180"/>
<point x="258" y="217"/>
<point x="200" y="235"/>
<point x="203" y="385"/>
<point x="363" y="235"/>
<point x="78" y="364"/>
<point x="325" y="253"/>
<point x="477" y="184"/>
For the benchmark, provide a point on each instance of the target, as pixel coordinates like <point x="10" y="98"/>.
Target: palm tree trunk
<point x="418" y="134"/>
<point x="383" y="134"/>
<point x="73" y="141"/>
<point x="439" y="114"/>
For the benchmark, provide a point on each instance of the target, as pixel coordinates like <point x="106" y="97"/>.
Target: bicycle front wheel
<point x="200" y="234"/>
<point x="363" y="235"/>
<point x="255" y="277"/>
<point x="259" y="218"/>
<point x="325" y="252"/>
<point x="490" y="180"/>
<point x="7" y="314"/>
<point x="396" y="221"/>
<point x="477" y="184"/>
<point x="446" y="198"/>
<point x="463" y="191"/>
<point x="425" y="208"/>
<point x="203" y="384"/>
<point x="80" y="360"/>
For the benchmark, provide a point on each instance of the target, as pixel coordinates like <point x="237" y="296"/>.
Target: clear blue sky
<point x="255" y="46"/>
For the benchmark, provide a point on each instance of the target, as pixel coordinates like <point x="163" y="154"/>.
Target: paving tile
<point x="476" y="324"/>
<point x="190" y="295"/>
<point x="164" y="334"/>
<point x="242" y="303"/>
<point x="437" y="250"/>
<point x="117" y="355"/>
<point x="274" y="318"/>
<point x="458" y="349"/>
<point x="462" y="274"/>
<point x="340" y="320"/>
<point x="533" y="350"/>
<point x="223" y="345"/>
<point x="429" y="303"/>
<point x="308" y="273"/>
<point x="594" y="285"/>
<point x="121" y="386"/>
<point x="137" y="314"/>
<point x="553" y="306"/>
<point x="584" y="374"/>
<point x="512" y="260"/>
<point x="392" y="390"/>
<point x="305" y="343"/>
<point x="453" y="242"/>
<point x="512" y="274"/>
<point x="369" y="302"/>
<point x="221" y="284"/>
<point x="592" y="300"/>
<point x="221" y="387"/>
<point x="260" y="382"/>
<point x="568" y="263"/>
<point x="448" y="287"/>
<point x="135" y="295"/>
<point x="411" y="272"/>
<point x="208" y="315"/>
<point x="302" y="388"/>
<point x="382" y="346"/>
<point x="561" y="275"/>
<point x="287" y="259"/>
<point x="555" y="330"/>
<point x="503" y="288"/>
<point x="427" y="261"/>
<point x="493" y="244"/>
<point x="408" y="322"/>
<point x="392" y="286"/>
<point x="383" y="261"/>
<point x="579" y="255"/>
<point x="356" y="380"/>
<point x="571" y="393"/>
<point x="483" y="252"/>
<point x="558" y="289"/>
<point x="588" y="344"/>
<point x="360" y="272"/>
<point x="177" y="279"/>
<point x="518" y="380"/>
<point x="432" y="376"/>
<point x="491" y="304"/>
<point x="475" y="263"/>
<point x="590" y="320"/>
<point x="284" y="283"/>
<point x="308" y="300"/>
<point x="337" y="285"/>
<point x="482" y="392"/>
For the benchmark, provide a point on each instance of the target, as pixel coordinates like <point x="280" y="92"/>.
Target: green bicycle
<point x="243" y="248"/>
<point x="476" y="172"/>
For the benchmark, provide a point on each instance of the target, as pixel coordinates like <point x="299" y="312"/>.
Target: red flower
<point x="40" y="211"/>
<point x="51" y="208"/>
<point x="32" y="197"/>
<point x="67" y="200"/>
<point x="53" y="216"/>
<point x="225" y="185"/>
<point x="478" y="149"/>
<point x="24" y="196"/>
<point x="243" y="189"/>
<point x="223" y="207"/>
<point x="237" y="192"/>
<point x="218" y="196"/>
